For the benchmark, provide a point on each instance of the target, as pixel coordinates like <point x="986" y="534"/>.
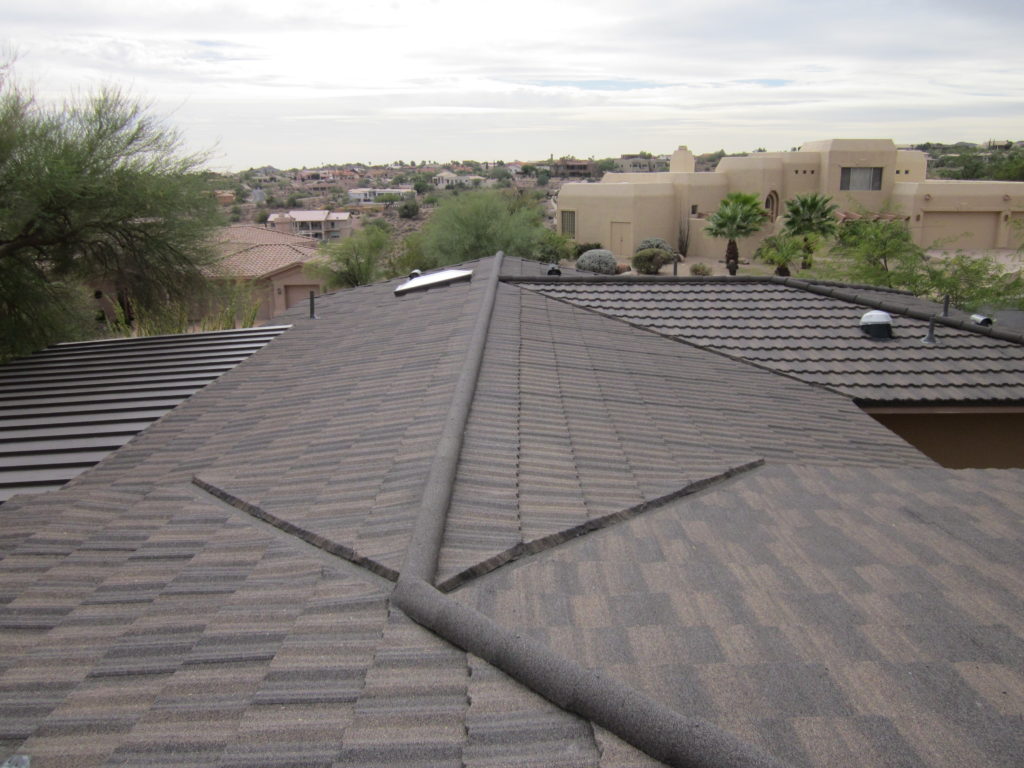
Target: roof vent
<point x="414" y="273"/>
<point x="554" y="270"/>
<point x="433" y="280"/>
<point x="984" y="320"/>
<point x="876" y="324"/>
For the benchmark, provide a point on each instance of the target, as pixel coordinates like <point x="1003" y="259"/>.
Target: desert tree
<point x="94" y="192"/>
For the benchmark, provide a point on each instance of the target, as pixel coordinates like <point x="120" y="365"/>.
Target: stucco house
<point x="858" y="174"/>
<point x="469" y="521"/>
<point x="272" y="262"/>
<point x="316" y="225"/>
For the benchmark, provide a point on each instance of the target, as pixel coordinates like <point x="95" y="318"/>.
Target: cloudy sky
<point x="316" y="82"/>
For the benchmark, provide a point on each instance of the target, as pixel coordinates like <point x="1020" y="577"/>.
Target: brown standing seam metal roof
<point x="65" y="408"/>
<point x="811" y="331"/>
<point x="658" y="537"/>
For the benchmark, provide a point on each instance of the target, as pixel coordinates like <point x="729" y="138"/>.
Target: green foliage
<point x="554" y="247"/>
<point x="96" y="191"/>
<point x="654" y="242"/>
<point x="960" y="161"/>
<point x="474" y="225"/>
<point x="810" y="216"/>
<point x="700" y="270"/>
<point x="409" y="209"/>
<point x="607" y="165"/>
<point x="409" y="255"/>
<point x="582" y="248"/>
<point x="883" y="253"/>
<point x="650" y="260"/>
<point x="974" y="281"/>
<point x="879" y="252"/>
<point x="780" y="251"/>
<point x="543" y="177"/>
<point x="356" y="260"/>
<point x="388" y="198"/>
<point x="739" y="215"/>
<point x="598" y="260"/>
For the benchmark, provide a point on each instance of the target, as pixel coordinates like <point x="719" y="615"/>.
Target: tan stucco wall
<point x="962" y="214"/>
<point x="654" y="204"/>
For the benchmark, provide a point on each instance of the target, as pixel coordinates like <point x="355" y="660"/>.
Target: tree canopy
<point x="94" y="192"/>
<point x="478" y="224"/>
<point x="882" y="252"/>
<point x="810" y="216"/>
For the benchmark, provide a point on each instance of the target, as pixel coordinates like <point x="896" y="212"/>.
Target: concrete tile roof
<point x="253" y="252"/>
<point x="811" y="332"/>
<point x="660" y="540"/>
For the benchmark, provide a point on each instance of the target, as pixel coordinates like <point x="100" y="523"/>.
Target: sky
<point x="259" y="83"/>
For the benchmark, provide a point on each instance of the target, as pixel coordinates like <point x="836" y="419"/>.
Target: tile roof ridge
<point x="656" y="729"/>
<point x="425" y="544"/>
<point x="836" y="291"/>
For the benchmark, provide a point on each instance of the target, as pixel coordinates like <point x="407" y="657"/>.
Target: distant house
<point x="447" y="180"/>
<point x="571" y="168"/>
<point x="370" y="194"/>
<point x="641" y="164"/>
<point x="857" y="174"/>
<point x="318" y="225"/>
<point x="272" y="262"/>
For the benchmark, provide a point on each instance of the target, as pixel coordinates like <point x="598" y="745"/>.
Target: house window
<point x="860" y="179"/>
<point x="569" y="223"/>
<point x="693" y="210"/>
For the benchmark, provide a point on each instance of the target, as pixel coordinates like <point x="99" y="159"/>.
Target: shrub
<point x="582" y="248"/>
<point x="598" y="260"/>
<point x="654" y="242"/>
<point x="700" y="270"/>
<point x="554" y="247"/>
<point x="650" y="260"/>
<point x="409" y="209"/>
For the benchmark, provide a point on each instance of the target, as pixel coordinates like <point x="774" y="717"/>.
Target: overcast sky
<point x="302" y="84"/>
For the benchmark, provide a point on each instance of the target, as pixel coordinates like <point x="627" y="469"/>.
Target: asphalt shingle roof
<point x="814" y="337"/>
<point x="725" y="549"/>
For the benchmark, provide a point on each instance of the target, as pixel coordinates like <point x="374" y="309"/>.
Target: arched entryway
<point x="771" y="204"/>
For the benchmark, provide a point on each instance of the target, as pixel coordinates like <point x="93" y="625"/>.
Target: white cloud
<point x="323" y="82"/>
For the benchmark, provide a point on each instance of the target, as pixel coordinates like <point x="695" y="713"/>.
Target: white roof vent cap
<point x="876" y="324"/>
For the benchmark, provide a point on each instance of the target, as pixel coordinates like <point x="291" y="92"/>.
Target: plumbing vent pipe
<point x="876" y="324"/>
<point x="930" y="338"/>
<point x="981" y="320"/>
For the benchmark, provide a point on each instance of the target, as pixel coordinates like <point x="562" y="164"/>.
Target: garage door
<point x="947" y="229"/>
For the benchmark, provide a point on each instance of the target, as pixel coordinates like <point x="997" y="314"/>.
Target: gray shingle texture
<point x="848" y="602"/>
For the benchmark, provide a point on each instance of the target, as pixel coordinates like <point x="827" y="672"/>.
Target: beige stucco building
<point x="858" y="174"/>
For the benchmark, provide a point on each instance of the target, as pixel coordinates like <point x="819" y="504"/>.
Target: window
<point x="860" y="179"/>
<point x="693" y="210"/>
<point x="569" y="223"/>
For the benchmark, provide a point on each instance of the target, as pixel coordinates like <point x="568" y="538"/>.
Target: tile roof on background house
<point x="687" y="555"/>
<point x="65" y="408"/>
<point x="249" y="251"/>
<point x="811" y="331"/>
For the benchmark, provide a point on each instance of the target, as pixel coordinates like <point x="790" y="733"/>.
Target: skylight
<point x="434" y="279"/>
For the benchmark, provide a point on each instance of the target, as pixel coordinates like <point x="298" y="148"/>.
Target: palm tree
<point x="779" y="251"/>
<point x="809" y="216"/>
<point x="739" y="215"/>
